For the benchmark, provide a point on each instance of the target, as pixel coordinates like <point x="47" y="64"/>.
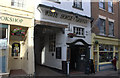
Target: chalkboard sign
<point x="58" y="52"/>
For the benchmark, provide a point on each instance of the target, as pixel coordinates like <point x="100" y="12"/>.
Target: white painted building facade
<point x="67" y="19"/>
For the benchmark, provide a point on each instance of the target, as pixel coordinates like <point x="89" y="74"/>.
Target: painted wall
<point x="65" y="5"/>
<point x="26" y="13"/>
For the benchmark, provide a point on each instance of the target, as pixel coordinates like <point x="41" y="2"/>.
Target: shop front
<point x="104" y="50"/>
<point x="15" y="43"/>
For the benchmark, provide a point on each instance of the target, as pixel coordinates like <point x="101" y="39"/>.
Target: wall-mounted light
<point x="52" y="10"/>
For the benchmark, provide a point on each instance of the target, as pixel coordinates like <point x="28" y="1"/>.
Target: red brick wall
<point x="96" y="11"/>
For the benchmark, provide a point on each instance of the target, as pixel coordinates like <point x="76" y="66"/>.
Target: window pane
<point x="105" y="56"/>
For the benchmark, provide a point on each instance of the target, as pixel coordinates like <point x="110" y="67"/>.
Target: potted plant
<point x="71" y="35"/>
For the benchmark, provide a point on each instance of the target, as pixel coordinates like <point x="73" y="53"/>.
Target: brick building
<point x="105" y="35"/>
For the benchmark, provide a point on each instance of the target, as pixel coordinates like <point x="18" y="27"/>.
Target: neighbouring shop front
<point x="104" y="50"/>
<point x="14" y="43"/>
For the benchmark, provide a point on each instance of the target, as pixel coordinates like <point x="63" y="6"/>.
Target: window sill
<point x="80" y="36"/>
<point x="102" y="9"/>
<point x="55" y="1"/>
<point x="111" y="36"/>
<point x="111" y="12"/>
<point x="78" y="8"/>
<point x="102" y="34"/>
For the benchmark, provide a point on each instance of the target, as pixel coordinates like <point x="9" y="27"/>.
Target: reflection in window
<point x="102" y="4"/>
<point x="78" y="4"/>
<point x="111" y="28"/>
<point x="103" y="47"/>
<point x="2" y="33"/>
<point x="110" y="6"/>
<point x="105" y="56"/>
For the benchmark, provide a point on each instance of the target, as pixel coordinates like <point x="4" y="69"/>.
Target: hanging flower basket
<point x="18" y="32"/>
<point x="71" y="35"/>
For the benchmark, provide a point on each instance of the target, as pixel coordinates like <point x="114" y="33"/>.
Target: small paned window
<point x="17" y="3"/>
<point x="78" y="31"/>
<point x="102" y="4"/>
<point x="111" y="28"/>
<point x="52" y="43"/>
<point x="110" y="6"/>
<point x="102" y="27"/>
<point x="77" y="4"/>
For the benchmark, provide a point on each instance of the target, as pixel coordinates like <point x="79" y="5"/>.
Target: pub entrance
<point x="79" y="56"/>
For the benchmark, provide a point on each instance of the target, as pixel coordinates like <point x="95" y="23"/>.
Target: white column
<point x="31" y="50"/>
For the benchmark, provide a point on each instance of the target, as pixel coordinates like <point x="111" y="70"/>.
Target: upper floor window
<point x="78" y="31"/>
<point x="17" y="3"/>
<point x="52" y="42"/>
<point x="102" y="28"/>
<point x="110" y="6"/>
<point x="111" y="28"/>
<point x="78" y="4"/>
<point x="56" y="1"/>
<point x="102" y="4"/>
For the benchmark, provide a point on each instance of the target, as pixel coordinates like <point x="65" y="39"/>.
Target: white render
<point x="62" y="39"/>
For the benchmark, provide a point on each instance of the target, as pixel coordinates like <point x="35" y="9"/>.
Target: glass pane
<point x="105" y="56"/>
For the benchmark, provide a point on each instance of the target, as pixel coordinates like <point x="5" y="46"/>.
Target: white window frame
<point x="102" y="30"/>
<point x="78" y="4"/>
<point x="79" y="31"/>
<point x="17" y="3"/>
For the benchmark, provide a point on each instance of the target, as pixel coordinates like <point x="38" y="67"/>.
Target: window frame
<point x="75" y="4"/>
<point x="18" y="3"/>
<point x="78" y="33"/>
<point x="101" y="25"/>
<point x="102" y="3"/>
<point x="56" y="1"/>
<point x="52" y="42"/>
<point x="112" y="28"/>
<point x="110" y="6"/>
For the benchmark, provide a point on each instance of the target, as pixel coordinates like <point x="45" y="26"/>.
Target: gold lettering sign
<point x="65" y="16"/>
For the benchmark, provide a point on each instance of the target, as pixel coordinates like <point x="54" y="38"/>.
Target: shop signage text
<point x="11" y="19"/>
<point x="67" y="17"/>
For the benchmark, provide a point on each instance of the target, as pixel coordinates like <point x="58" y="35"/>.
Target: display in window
<point x="15" y="49"/>
<point x="105" y="56"/>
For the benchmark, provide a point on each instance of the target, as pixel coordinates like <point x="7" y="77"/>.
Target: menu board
<point x="3" y="43"/>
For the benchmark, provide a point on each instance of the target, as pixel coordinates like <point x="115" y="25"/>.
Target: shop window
<point x="16" y="49"/>
<point x="78" y="4"/>
<point x="117" y="55"/>
<point x="17" y="3"/>
<point x="111" y="28"/>
<point x="105" y="56"/>
<point x="110" y="6"/>
<point x="2" y="33"/>
<point x="116" y="48"/>
<point x="52" y="42"/>
<point x="102" y="4"/>
<point x="78" y="31"/>
<point x="103" y="47"/>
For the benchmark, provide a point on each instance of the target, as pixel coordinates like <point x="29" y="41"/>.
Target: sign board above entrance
<point x="66" y="17"/>
<point x="11" y="19"/>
